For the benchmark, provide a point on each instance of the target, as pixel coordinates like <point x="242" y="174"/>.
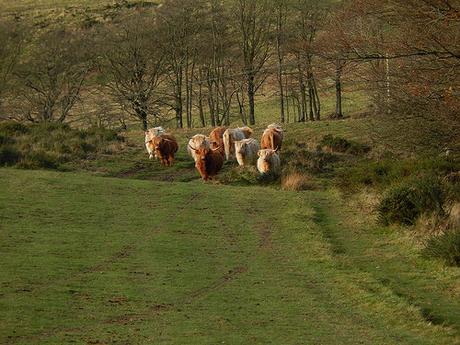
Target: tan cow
<point x="272" y="138"/>
<point x="246" y="151"/>
<point x="268" y="162"/>
<point x="150" y="135"/>
<point x="196" y="142"/>
<point x="234" y="134"/>
<point x="216" y="139"/>
<point x="278" y="128"/>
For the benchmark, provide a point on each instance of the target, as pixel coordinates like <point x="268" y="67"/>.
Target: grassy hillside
<point x="98" y="260"/>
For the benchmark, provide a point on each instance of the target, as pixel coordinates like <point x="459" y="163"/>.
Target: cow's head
<point x="240" y="147"/>
<point x="265" y="154"/>
<point x="199" y="141"/>
<point x="264" y="163"/>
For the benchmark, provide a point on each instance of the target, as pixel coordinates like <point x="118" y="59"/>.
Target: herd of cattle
<point x="209" y="152"/>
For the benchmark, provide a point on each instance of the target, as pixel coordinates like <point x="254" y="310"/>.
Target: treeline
<point x="204" y="62"/>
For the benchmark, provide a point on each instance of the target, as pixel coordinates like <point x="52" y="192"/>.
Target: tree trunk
<point x="338" y="90"/>
<point x="311" y="117"/>
<point x="179" y="106"/>
<point x="303" y="101"/>
<point x="144" y="123"/>
<point x="287" y="109"/>
<point x="200" y="100"/>
<point x="317" y="100"/>
<point x="280" y="81"/>
<point x="241" y="106"/>
<point x="251" y="93"/>
<point x="280" y="62"/>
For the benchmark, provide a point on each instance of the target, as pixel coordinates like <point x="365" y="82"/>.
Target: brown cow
<point x="272" y="138"/>
<point x="208" y="162"/>
<point x="216" y="138"/>
<point x="165" y="147"/>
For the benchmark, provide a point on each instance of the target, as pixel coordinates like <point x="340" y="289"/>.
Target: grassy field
<point x="96" y="260"/>
<point x="37" y="5"/>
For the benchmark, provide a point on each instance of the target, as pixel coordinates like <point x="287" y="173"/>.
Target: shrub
<point x="9" y="155"/>
<point x="46" y="145"/>
<point x="102" y="134"/>
<point x="268" y="178"/>
<point x="11" y="128"/>
<point x="338" y="144"/>
<point x="6" y="140"/>
<point x="296" y="181"/>
<point x="314" y="162"/>
<point x="38" y="160"/>
<point x="390" y="170"/>
<point x="445" y="247"/>
<point x="405" y="202"/>
<point x="357" y="149"/>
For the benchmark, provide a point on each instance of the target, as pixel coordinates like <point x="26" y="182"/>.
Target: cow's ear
<point x="258" y="153"/>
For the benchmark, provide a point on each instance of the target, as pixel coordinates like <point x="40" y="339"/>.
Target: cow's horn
<point x="191" y="147"/>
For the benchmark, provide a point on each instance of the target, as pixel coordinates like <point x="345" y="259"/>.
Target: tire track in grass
<point x="123" y="253"/>
<point x="155" y="310"/>
<point x="348" y="256"/>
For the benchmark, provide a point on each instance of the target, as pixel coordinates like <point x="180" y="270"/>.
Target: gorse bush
<point x="338" y="144"/>
<point x="314" y="162"/>
<point x="11" y="128"/>
<point x="380" y="174"/>
<point x="48" y="145"/>
<point x="9" y="155"/>
<point x="445" y="247"/>
<point x="5" y="139"/>
<point x="405" y="202"/>
<point x="39" y="160"/>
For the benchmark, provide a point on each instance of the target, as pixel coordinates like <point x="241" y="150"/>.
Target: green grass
<point x="354" y="103"/>
<point x="48" y="5"/>
<point x="99" y="260"/>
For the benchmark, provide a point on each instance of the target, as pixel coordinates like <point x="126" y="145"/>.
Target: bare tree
<point x="254" y="28"/>
<point x="134" y="66"/>
<point x="11" y="45"/>
<point x="281" y="13"/>
<point x="52" y="75"/>
<point x="180" y="22"/>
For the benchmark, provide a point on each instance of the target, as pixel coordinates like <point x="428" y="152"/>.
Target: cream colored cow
<point x="246" y="151"/>
<point x="268" y="162"/>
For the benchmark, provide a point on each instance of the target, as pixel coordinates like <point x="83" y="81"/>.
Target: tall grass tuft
<point x="297" y="181"/>
<point x="445" y="247"/>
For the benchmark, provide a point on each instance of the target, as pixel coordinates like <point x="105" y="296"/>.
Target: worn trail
<point x="103" y="261"/>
